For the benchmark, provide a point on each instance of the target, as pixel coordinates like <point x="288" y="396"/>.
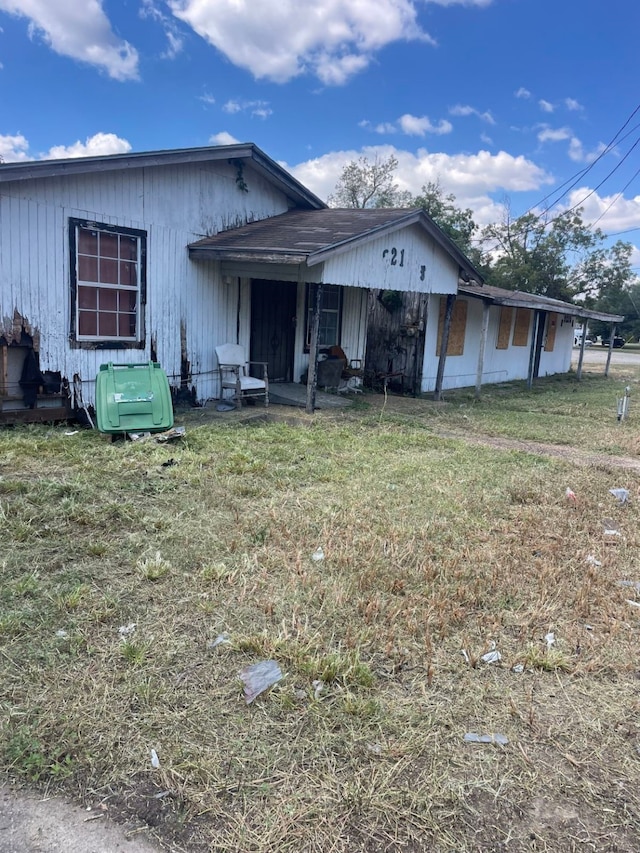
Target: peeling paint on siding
<point x="13" y="329"/>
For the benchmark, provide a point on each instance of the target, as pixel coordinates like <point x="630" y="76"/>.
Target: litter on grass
<point x="621" y="495"/>
<point x="126" y="630"/>
<point x="259" y="677"/>
<point x="492" y="656"/>
<point x="591" y="560"/>
<point x="633" y="603"/>
<point x="518" y="667"/>
<point x="630" y="584"/>
<point x="155" y="761"/>
<point x="318" y="555"/>
<point x="495" y="738"/>
<point x="318" y="687"/>
<point x="570" y="495"/>
<point x="61" y="634"/>
<point x="550" y="639"/>
<point x="219" y="640"/>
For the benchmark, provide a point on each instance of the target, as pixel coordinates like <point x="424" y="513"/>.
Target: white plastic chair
<point x="234" y="374"/>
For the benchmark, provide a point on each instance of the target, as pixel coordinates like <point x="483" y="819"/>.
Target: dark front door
<point x="273" y="326"/>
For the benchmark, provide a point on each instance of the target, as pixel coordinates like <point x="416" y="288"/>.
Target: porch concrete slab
<point x="295" y="394"/>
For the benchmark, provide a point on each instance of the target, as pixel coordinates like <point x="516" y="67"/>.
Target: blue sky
<point x="501" y="101"/>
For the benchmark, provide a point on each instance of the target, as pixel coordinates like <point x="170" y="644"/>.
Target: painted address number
<point x="396" y="258"/>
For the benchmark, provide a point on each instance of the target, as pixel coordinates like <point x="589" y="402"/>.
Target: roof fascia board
<point x="541" y="304"/>
<point x="205" y="253"/>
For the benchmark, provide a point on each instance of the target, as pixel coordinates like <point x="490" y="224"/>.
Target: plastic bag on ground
<point x="259" y="677"/>
<point x="621" y="495"/>
<point x="474" y="737"/>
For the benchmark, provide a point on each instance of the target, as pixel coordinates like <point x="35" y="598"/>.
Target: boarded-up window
<point x="504" y="329"/>
<point x="552" y="325"/>
<point x="521" y="328"/>
<point x="457" y="329"/>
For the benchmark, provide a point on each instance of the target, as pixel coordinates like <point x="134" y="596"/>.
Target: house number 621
<point x="394" y="256"/>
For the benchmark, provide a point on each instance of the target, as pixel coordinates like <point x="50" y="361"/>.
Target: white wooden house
<point x="163" y="256"/>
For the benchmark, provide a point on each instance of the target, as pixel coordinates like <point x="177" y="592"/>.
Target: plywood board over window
<point x="458" y="327"/>
<point x="521" y="328"/>
<point x="504" y="329"/>
<point x="552" y="325"/>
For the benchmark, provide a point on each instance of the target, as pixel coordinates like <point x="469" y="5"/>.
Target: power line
<point x="587" y="169"/>
<point x="608" y="208"/>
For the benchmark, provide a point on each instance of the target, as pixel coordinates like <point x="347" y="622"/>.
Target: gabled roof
<point x="248" y="152"/>
<point x="313" y="236"/>
<point x="518" y="299"/>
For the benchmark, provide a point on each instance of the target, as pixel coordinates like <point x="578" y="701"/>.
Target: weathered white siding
<point x="407" y="260"/>
<point x="188" y="309"/>
<point x="499" y="365"/>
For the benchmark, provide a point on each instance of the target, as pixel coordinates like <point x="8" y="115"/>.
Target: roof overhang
<point x="246" y="151"/>
<point x="518" y="299"/>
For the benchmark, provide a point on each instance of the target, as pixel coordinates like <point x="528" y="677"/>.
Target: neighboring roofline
<point x="533" y="301"/>
<point x="35" y="169"/>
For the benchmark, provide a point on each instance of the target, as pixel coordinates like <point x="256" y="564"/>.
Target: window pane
<point x="87" y="323"/>
<point x="87" y="268"/>
<point x="128" y="300"/>
<point x="108" y="325"/>
<point x="127" y="325"/>
<point x="330" y="297"/>
<point x="87" y="242"/>
<point x="128" y="273"/>
<point x="108" y="299"/>
<point x="108" y="245"/>
<point x="128" y="248"/>
<point x="108" y="271"/>
<point x="88" y="297"/>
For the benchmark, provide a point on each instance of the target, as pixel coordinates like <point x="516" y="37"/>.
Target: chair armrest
<point x="264" y="368"/>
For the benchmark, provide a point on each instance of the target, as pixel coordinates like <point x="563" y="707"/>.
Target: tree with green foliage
<point x="456" y="222"/>
<point x="364" y="183"/>
<point x="561" y="258"/>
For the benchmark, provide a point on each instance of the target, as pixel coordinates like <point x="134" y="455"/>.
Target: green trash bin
<point x="133" y="398"/>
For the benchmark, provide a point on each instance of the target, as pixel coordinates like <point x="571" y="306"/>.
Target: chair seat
<point x="250" y="383"/>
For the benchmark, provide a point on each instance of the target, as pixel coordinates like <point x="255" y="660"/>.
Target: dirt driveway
<point x="30" y="824"/>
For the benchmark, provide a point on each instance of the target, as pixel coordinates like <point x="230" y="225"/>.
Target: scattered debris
<point x="591" y="560"/>
<point x="492" y="656"/>
<point x="633" y="603"/>
<point x="550" y="639"/>
<point x="375" y="748"/>
<point x="588" y="627"/>
<point x="611" y="532"/>
<point x="225" y="407"/>
<point x="318" y="555"/>
<point x="61" y="634"/>
<point x="219" y="640"/>
<point x="392" y="487"/>
<point x="169" y="463"/>
<point x="570" y="495"/>
<point x="126" y="630"/>
<point x="170" y="434"/>
<point x="259" y="677"/>
<point x="518" y="667"/>
<point x="318" y="687"/>
<point x="465" y="655"/>
<point x="155" y="761"/>
<point x="72" y="432"/>
<point x="498" y="739"/>
<point x="621" y="495"/>
<point x="630" y="584"/>
<point x="138" y="436"/>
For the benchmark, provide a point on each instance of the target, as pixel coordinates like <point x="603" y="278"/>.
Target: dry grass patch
<point x="119" y="574"/>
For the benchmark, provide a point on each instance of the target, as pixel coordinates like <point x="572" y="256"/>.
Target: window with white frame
<point x="330" y="315"/>
<point x="107" y="282"/>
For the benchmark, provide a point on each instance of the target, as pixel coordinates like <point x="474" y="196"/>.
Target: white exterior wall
<point x="499" y="365"/>
<point x="421" y="265"/>
<point x="186" y="301"/>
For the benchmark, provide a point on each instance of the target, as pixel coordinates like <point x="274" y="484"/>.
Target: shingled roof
<point x="312" y="236"/>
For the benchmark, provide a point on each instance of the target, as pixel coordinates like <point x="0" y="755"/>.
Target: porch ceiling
<point x="309" y="237"/>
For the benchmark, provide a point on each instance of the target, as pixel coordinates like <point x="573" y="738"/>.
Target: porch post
<point x="483" y="342"/>
<point x="444" y="344"/>
<point x="582" y="344"/>
<point x="312" y="374"/>
<point x="532" y="351"/>
<point x="610" y="350"/>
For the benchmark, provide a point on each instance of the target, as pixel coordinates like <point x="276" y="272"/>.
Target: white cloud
<point x="623" y="213"/>
<point x="572" y="105"/>
<point x="418" y="126"/>
<point x="466" y="110"/>
<point x="174" y="39"/>
<point x="14" y="148"/>
<point x="98" y="145"/>
<point x="553" y="134"/>
<point x="79" y="30"/>
<point x="545" y="106"/>
<point x="207" y="99"/>
<point x="486" y="139"/>
<point x="260" y="109"/>
<point x="331" y="39"/>
<point x="385" y="127"/>
<point x="579" y="155"/>
<point x="522" y="93"/>
<point x="223" y="138"/>
<point x="470" y="177"/>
